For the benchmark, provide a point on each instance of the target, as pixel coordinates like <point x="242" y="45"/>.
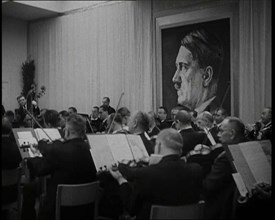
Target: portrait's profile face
<point x="188" y="79"/>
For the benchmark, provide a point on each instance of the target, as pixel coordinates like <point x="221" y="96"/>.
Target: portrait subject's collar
<point x="203" y="106"/>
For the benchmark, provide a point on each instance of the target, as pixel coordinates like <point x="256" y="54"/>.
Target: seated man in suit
<point x="219" y="115"/>
<point x="95" y="119"/>
<point x="206" y="120"/>
<point x="219" y="186"/>
<point x="262" y="129"/>
<point x="190" y="137"/>
<point x="153" y="128"/>
<point x="169" y="182"/>
<point x="23" y="107"/>
<point x="69" y="162"/>
<point x="106" y="102"/>
<point x="163" y="121"/>
<point x="139" y="124"/>
<point x="103" y="115"/>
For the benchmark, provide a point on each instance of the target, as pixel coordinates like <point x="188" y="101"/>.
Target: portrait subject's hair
<point x="206" y="48"/>
<point x="164" y="108"/>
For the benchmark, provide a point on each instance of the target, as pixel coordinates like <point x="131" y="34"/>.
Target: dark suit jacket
<point x="147" y="143"/>
<point x="218" y="189"/>
<point x="11" y="159"/>
<point x="111" y="110"/>
<point x="68" y="163"/>
<point x="191" y="138"/>
<point x="170" y="182"/>
<point x="22" y="113"/>
<point x="165" y="124"/>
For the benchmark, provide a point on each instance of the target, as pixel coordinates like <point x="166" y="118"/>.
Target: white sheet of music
<point x="257" y="161"/>
<point x="100" y="151"/>
<point x="52" y="132"/>
<point x="119" y="147"/>
<point x="137" y="146"/>
<point x="25" y="134"/>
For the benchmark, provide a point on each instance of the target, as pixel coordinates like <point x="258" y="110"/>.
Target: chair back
<point x="76" y="195"/>
<point x="190" y="211"/>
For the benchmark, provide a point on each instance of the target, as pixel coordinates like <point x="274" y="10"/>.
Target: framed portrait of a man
<point x="195" y="64"/>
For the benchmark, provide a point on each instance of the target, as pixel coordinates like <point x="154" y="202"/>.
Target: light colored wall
<point x="14" y="53"/>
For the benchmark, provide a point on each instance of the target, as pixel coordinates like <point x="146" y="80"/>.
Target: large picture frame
<point x="169" y="31"/>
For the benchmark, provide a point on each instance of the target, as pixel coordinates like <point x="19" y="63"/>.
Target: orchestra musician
<point x="262" y="129"/>
<point x="23" y="107"/>
<point x="219" y="186"/>
<point x="68" y="162"/>
<point x="169" y="182"/>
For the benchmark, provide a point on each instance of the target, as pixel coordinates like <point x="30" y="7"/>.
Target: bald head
<point x="169" y="141"/>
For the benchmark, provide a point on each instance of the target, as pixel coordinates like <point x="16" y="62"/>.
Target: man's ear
<point x="207" y="76"/>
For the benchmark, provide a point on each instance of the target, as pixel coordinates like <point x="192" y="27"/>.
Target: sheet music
<point x="52" y="132"/>
<point x="257" y="161"/>
<point x="251" y="162"/>
<point x="27" y="141"/>
<point x="137" y="146"/>
<point x="24" y="134"/>
<point x="240" y="184"/>
<point x="241" y="166"/>
<point x="100" y="151"/>
<point x="119" y="147"/>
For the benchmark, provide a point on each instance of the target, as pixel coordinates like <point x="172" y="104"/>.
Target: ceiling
<point x="25" y="12"/>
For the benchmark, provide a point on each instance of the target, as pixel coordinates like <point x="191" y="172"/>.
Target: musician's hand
<point x="117" y="175"/>
<point x="34" y="150"/>
<point x="262" y="190"/>
<point x="34" y="103"/>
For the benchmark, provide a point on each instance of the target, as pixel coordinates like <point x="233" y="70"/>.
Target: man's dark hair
<point x="206" y="48"/>
<point x="107" y="98"/>
<point x="74" y="109"/>
<point x="64" y="113"/>
<point x="104" y="108"/>
<point x="96" y="107"/>
<point x="164" y="108"/>
<point x="52" y="117"/>
<point x="118" y="118"/>
<point x="124" y="111"/>
<point x="9" y="113"/>
<point x="223" y="111"/>
<point x="19" y="97"/>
